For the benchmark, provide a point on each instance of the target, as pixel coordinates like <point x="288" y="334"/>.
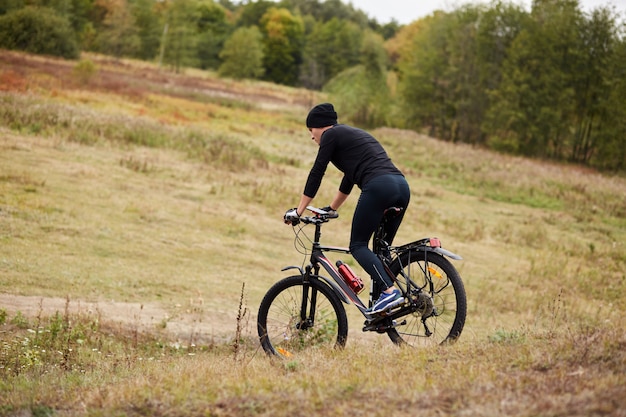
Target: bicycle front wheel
<point x="296" y="314"/>
<point x="443" y="305"/>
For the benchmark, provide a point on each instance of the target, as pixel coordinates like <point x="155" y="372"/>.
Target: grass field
<point x="140" y="226"/>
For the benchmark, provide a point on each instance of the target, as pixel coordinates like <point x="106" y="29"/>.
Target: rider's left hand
<point x="331" y="212"/>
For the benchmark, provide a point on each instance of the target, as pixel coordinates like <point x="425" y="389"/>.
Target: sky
<point x="407" y="11"/>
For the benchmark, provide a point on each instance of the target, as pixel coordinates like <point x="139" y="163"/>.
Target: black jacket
<point x="354" y="152"/>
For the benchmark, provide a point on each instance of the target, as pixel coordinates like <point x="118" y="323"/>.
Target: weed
<point x="507" y="337"/>
<point x="555" y="309"/>
<point x="84" y="71"/>
<point x="20" y="321"/>
<point x="136" y="165"/>
<point x="292" y="366"/>
<point x="242" y="322"/>
<point x="39" y="410"/>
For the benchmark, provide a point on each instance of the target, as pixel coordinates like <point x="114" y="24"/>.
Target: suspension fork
<point x="306" y="317"/>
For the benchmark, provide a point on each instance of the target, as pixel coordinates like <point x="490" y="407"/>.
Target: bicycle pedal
<point x="380" y="327"/>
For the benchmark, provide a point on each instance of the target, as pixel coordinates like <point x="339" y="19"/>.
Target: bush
<point x="84" y="71"/>
<point x="38" y="30"/>
<point x="242" y="54"/>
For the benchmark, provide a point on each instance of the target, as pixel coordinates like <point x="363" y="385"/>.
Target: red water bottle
<point x="350" y="277"/>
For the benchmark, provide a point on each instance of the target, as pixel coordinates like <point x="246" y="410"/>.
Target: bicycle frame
<point x="345" y="293"/>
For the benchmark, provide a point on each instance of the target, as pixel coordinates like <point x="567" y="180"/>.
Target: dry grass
<point x="166" y="191"/>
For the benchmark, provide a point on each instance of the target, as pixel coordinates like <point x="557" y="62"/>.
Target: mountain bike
<point x="307" y="309"/>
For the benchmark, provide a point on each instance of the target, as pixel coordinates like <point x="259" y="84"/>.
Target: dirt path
<point x="188" y="324"/>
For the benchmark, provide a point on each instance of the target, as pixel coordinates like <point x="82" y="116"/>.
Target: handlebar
<point x="321" y="216"/>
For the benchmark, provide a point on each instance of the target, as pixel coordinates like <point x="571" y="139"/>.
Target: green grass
<point x="145" y="224"/>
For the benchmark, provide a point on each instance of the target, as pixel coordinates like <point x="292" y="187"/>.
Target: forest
<point x="547" y="83"/>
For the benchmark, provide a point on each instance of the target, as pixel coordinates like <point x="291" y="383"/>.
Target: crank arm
<point x="382" y="326"/>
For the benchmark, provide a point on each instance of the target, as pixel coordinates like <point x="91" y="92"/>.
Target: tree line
<point x="548" y="83"/>
<point x="281" y="42"/>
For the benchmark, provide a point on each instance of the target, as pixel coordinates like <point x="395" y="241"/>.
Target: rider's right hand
<point x="292" y="217"/>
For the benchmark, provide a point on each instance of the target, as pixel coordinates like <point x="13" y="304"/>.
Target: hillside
<point x="148" y="206"/>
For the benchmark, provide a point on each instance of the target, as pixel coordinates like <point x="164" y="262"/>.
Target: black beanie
<point x="321" y="115"/>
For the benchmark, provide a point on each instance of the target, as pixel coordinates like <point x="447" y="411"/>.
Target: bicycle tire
<point x="280" y="324"/>
<point x="448" y="295"/>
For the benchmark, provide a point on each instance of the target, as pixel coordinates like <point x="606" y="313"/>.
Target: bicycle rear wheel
<point x="444" y="303"/>
<point x="296" y="315"/>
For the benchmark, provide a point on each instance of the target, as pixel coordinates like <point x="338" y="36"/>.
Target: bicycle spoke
<point x="437" y="317"/>
<point x="300" y="316"/>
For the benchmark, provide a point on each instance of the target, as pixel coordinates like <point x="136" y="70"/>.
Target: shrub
<point x="243" y="54"/>
<point x="38" y="30"/>
<point x="84" y="71"/>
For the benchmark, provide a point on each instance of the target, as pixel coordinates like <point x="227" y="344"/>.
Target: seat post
<point x="379" y="236"/>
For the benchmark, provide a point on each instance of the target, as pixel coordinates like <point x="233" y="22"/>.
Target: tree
<point x="534" y="105"/>
<point x="38" y="30"/>
<point x="423" y="80"/>
<point x="362" y="90"/>
<point x="499" y="26"/>
<point x="117" y="35"/>
<point x="465" y="95"/>
<point x="9" y="5"/>
<point x="326" y="10"/>
<point x="443" y="81"/>
<point x="149" y="28"/>
<point x="594" y="81"/>
<point x="242" y="56"/>
<point x="330" y="48"/>
<point x="600" y="135"/>
<point x="389" y="30"/>
<point x="213" y="30"/>
<point x="252" y="12"/>
<point x="179" y="41"/>
<point x="284" y="37"/>
<point x="401" y="45"/>
<point x="75" y="11"/>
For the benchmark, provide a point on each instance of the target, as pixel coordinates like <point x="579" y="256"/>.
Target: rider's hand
<point x="291" y="217"/>
<point x="331" y="213"/>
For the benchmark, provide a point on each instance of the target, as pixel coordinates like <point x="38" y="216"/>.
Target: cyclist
<point x="365" y="163"/>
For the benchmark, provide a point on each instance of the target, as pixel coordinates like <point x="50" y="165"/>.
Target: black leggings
<point x="377" y="195"/>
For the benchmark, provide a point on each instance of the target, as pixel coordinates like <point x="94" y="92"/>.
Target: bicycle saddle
<point x="392" y="212"/>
